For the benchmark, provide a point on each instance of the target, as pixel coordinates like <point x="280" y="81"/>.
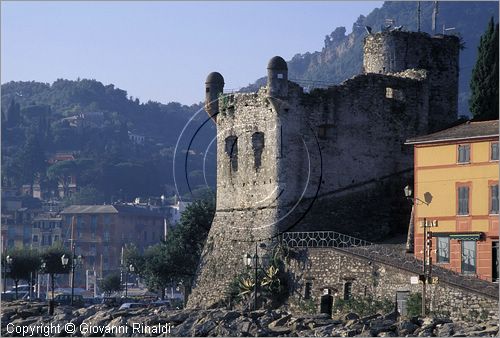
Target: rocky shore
<point x="99" y="320"/>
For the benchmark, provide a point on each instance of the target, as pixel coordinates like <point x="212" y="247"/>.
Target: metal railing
<point x="321" y="239"/>
<point x="385" y="254"/>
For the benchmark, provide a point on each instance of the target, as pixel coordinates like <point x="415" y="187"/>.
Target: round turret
<point x="277" y="77"/>
<point x="214" y="85"/>
<point x="277" y="63"/>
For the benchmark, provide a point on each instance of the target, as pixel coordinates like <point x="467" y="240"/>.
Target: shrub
<point x="414" y="304"/>
<point x="364" y="306"/>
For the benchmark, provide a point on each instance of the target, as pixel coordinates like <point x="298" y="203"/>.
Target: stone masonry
<point x="289" y="160"/>
<point x="328" y="268"/>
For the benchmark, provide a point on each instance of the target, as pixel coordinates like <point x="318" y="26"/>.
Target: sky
<point x="163" y="50"/>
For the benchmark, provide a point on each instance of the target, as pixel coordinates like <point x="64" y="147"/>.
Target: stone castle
<point x="328" y="159"/>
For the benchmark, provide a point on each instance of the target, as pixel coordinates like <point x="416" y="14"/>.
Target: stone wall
<point x="327" y="268"/>
<point x="390" y="52"/>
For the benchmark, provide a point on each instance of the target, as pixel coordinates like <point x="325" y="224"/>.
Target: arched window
<point x="258" y="147"/>
<point x="232" y="151"/>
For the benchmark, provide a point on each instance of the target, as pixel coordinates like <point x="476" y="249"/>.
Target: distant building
<point x="101" y="231"/>
<point x="46" y="230"/>
<point x="174" y="211"/>
<point x="458" y="167"/>
<point x="16" y="220"/>
<point x="136" y="138"/>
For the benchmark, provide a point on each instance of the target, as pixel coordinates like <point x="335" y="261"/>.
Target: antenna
<point x="418" y="16"/>
<point x="434" y="16"/>
<point x="445" y="29"/>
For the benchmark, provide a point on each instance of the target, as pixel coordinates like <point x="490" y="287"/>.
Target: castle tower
<point x="214" y="86"/>
<point x="396" y="51"/>
<point x="277" y="77"/>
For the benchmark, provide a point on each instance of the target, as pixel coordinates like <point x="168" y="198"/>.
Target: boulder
<point x="444" y="330"/>
<point x="203" y="329"/>
<point x="406" y="327"/>
<point x="280" y="322"/>
<point x="351" y="315"/>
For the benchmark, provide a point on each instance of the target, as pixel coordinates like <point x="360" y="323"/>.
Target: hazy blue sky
<point x="162" y="51"/>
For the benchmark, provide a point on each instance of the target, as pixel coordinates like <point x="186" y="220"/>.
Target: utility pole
<point x="434" y="16"/>
<point x="418" y="16"/>
<point x="72" y="260"/>
<point x="427" y="262"/>
<point x="256" y="281"/>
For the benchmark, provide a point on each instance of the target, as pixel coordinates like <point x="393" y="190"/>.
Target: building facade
<point x="291" y="160"/>
<point x="456" y="194"/>
<point x="100" y="232"/>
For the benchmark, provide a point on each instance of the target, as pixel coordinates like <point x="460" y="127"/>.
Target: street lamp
<point x="130" y="269"/>
<point x="8" y="262"/>
<point x="427" y="262"/>
<point x="254" y="260"/>
<point x="74" y="262"/>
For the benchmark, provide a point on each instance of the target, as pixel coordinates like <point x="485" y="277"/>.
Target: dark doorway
<point x="494" y="261"/>
<point x="327" y="303"/>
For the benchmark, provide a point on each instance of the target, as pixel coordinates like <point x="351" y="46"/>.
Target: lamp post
<point x="74" y="262"/>
<point x="427" y="262"/>
<point x="6" y="268"/>
<point x="249" y="260"/>
<point x="129" y="269"/>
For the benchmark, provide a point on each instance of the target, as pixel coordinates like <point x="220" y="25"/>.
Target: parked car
<point x="8" y="296"/>
<point x="126" y="306"/>
<point x="21" y="288"/>
<point x="20" y="294"/>
<point x="158" y="303"/>
<point x="66" y="300"/>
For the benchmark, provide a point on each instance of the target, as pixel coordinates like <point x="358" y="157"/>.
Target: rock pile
<point x="222" y="322"/>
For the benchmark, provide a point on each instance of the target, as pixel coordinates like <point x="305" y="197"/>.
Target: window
<point x="93" y="230"/>
<point x="106" y="236"/>
<point x="232" y="151"/>
<point x="93" y="220"/>
<point x="35" y="238"/>
<point x="494" y="151"/>
<point x="56" y="238"/>
<point x="443" y="249"/>
<point x="494" y="199"/>
<point x="107" y="219"/>
<point x="464" y="153"/>
<point x="463" y="200"/>
<point x="258" y="147"/>
<point x="307" y="293"/>
<point x="468" y="257"/>
<point x="347" y="290"/>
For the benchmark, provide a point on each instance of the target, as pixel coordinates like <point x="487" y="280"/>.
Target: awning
<point x="466" y="237"/>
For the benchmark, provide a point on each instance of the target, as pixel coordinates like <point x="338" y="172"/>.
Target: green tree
<point x="86" y="195"/>
<point x="132" y="256"/>
<point x="25" y="262"/>
<point x="483" y="102"/>
<point x="158" y="270"/>
<point x="176" y="259"/>
<point x="52" y="263"/>
<point x="61" y="172"/>
<point x="111" y="283"/>
<point x="30" y="162"/>
<point x="13" y="114"/>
